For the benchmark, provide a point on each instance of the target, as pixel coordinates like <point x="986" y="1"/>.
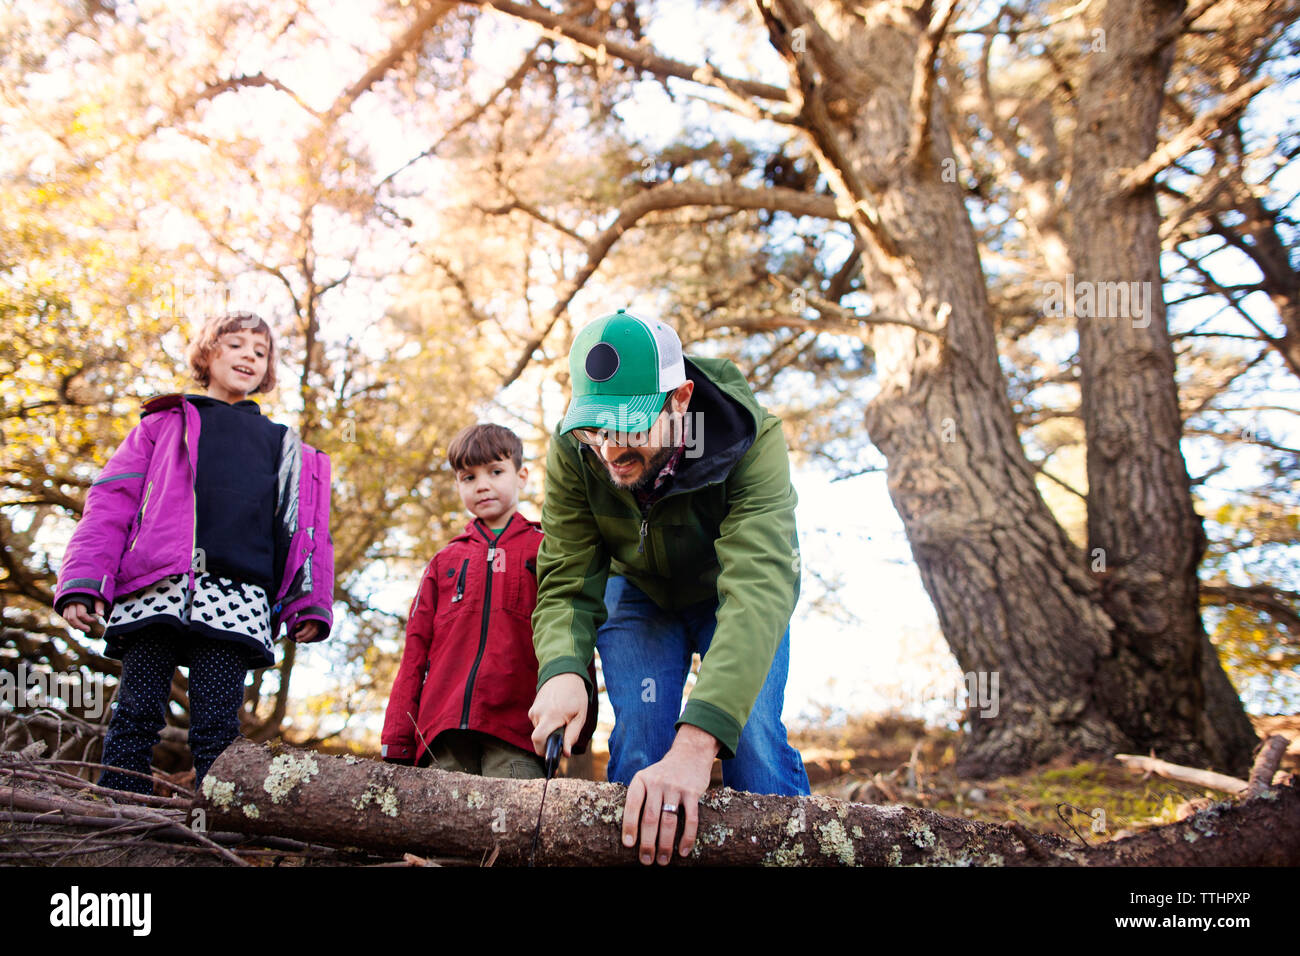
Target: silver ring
<point x="669" y="808"/>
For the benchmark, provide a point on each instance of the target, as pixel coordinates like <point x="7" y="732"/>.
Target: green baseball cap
<point x="622" y="368"/>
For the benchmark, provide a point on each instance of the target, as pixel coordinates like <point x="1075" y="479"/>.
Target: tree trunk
<point x="1141" y="521"/>
<point x="381" y="807"/>
<point x="1014" y="596"/>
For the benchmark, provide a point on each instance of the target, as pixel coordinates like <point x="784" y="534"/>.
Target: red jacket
<point x="469" y="663"/>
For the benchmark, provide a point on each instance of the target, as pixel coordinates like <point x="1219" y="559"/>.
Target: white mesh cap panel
<point x="672" y="370"/>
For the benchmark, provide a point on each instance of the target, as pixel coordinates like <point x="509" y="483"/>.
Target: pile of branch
<point x="390" y="809"/>
<point x="906" y="783"/>
<point x="50" y="816"/>
<point x="62" y="734"/>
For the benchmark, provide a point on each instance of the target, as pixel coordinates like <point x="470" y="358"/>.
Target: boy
<point x="468" y="673"/>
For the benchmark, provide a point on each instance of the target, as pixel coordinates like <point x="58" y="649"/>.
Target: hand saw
<point x="554" y="750"/>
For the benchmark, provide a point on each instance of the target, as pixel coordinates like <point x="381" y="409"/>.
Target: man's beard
<point x="652" y="468"/>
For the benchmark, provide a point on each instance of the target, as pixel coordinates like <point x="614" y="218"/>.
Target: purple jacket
<point x="139" y="519"/>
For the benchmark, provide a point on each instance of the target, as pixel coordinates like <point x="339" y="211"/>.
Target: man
<point x="669" y="529"/>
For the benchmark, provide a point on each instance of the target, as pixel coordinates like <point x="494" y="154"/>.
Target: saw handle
<point x="554" y="751"/>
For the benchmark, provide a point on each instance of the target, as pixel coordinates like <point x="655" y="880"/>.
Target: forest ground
<point x="872" y="758"/>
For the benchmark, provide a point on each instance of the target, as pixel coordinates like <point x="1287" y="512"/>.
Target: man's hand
<point x="79" y="616"/>
<point x="306" y="632"/>
<point x="678" y="780"/>
<point x="562" y="701"/>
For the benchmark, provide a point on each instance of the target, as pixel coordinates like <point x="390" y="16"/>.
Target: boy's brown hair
<point x="483" y="444"/>
<point x="205" y="343"/>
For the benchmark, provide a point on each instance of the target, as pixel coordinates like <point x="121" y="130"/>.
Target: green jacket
<point x="724" y="530"/>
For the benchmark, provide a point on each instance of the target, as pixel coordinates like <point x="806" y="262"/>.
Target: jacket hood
<point x="163" y="402"/>
<point x="725" y="408"/>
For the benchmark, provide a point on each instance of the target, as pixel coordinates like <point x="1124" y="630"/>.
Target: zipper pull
<point x="640" y="548"/>
<point x="492" y="552"/>
<point x="460" y="583"/>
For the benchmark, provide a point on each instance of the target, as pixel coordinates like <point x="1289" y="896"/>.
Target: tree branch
<point x="670" y="196"/>
<point x="1191" y="137"/>
<point x="1183" y="23"/>
<point x="1278" y="603"/>
<point x="596" y="46"/>
<point x="232" y="83"/>
<point x="849" y="319"/>
<point x="404" y="44"/>
<point x="924" y="75"/>
<point x="513" y="83"/>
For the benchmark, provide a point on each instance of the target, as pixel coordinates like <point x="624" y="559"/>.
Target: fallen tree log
<point x="348" y="801"/>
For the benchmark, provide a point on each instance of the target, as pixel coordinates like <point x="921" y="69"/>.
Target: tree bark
<point x="1013" y="594"/>
<point x="343" y="800"/>
<point x="1081" y="668"/>
<point x="1161" y="680"/>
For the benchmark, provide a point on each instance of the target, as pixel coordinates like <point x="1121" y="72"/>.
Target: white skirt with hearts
<point x="217" y="607"/>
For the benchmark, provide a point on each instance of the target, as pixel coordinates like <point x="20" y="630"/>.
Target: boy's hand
<point x="562" y="701"/>
<point x="80" y="617"/>
<point x="306" y="632"/>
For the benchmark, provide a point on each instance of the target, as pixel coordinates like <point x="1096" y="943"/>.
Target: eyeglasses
<point x="599" y="436"/>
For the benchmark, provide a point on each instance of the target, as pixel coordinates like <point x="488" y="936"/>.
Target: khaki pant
<point x="470" y="751"/>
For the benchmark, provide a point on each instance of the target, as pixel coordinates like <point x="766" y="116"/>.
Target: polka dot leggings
<point x="218" y="670"/>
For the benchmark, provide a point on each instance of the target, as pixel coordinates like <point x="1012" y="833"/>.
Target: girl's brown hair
<point x="205" y="343"/>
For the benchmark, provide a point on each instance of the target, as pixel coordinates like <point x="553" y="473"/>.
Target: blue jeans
<point x="645" y="652"/>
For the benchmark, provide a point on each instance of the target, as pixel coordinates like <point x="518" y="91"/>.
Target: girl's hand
<point x="79" y="616"/>
<point x="306" y="631"/>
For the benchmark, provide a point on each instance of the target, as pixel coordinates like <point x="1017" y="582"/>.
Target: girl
<point x="206" y="530"/>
